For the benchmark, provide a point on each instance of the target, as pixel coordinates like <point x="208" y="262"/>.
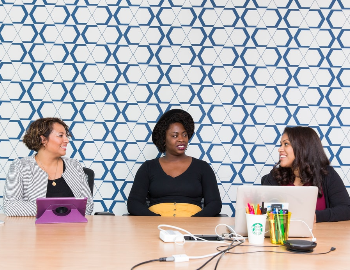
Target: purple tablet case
<point x="60" y="210"/>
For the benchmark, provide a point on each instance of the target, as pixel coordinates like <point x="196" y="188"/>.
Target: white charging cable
<point x="233" y="235"/>
<point x="180" y="229"/>
<point x="196" y="238"/>
<point x="313" y="237"/>
<point x="184" y="257"/>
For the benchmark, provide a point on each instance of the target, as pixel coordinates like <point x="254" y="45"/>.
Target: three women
<point x="175" y="184"/>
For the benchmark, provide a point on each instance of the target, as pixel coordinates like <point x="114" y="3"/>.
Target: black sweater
<point x="336" y="196"/>
<point x="197" y="182"/>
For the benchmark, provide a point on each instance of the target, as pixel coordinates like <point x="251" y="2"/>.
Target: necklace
<point x="41" y="165"/>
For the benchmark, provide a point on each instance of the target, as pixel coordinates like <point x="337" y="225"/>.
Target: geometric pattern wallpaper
<point x="244" y="69"/>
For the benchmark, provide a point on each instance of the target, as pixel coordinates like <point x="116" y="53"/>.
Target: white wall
<point x="243" y="69"/>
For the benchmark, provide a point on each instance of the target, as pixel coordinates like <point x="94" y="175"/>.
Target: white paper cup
<point x="256" y="228"/>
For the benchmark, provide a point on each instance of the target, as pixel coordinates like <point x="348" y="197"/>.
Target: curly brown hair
<point x="41" y="127"/>
<point x="310" y="159"/>
<point x="168" y="118"/>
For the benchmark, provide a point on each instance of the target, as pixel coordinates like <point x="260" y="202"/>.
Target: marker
<point x="282" y="225"/>
<point x="279" y="228"/>
<point x="248" y="207"/>
<point x="251" y="209"/>
<point x="286" y="223"/>
<point x="272" y="227"/>
<point x="262" y="208"/>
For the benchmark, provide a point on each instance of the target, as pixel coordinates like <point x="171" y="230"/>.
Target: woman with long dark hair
<point x="303" y="162"/>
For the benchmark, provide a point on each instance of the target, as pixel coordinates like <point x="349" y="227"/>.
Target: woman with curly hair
<point x="174" y="184"/>
<point x="303" y="162"/>
<point x="45" y="174"/>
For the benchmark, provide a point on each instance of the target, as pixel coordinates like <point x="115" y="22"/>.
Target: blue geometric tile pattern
<point x="243" y="69"/>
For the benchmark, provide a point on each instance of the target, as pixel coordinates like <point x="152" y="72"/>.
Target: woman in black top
<point x="303" y="162"/>
<point x="47" y="173"/>
<point x="174" y="184"/>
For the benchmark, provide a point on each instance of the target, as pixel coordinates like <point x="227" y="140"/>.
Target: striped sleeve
<point x="15" y="202"/>
<point x="26" y="182"/>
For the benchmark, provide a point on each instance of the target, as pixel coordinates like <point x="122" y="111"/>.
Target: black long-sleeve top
<point x="336" y="196"/>
<point x="197" y="182"/>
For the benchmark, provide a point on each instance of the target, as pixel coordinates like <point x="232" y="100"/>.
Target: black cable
<point x="227" y="250"/>
<point x="163" y="259"/>
<point x="209" y="260"/>
<point x="320" y="253"/>
<point x="220" y="252"/>
<point x="261" y="246"/>
<point x="222" y="255"/>
<point x="272" y="251"/>
<point x="218" y="260"/>
<point x="242" y="245"/>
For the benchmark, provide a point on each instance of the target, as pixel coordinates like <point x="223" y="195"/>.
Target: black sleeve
<point x="268" y="180"/>
<point x="212" y="199"/>
<point x="137" y="198"/>
<point x="337" y="199"/>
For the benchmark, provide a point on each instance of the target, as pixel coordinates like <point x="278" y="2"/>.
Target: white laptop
<point x="301" y="203"/>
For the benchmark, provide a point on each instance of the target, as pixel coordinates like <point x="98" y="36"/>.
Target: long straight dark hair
<point x="310" y="159"/>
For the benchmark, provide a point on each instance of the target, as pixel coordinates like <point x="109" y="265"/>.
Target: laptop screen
<point x="301" y="203"/>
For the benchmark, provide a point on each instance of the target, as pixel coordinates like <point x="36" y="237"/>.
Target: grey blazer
<point x="26" y="181"/>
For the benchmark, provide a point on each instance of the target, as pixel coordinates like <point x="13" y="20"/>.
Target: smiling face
<point x="176" y="139"/>
<point x="56" y="143"/>
<point x="286" y="152"/>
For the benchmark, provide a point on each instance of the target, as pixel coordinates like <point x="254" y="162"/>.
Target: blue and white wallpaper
<point x="244" y="69"/>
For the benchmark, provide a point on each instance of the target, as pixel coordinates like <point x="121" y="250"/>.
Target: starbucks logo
<point x="257" y="229"/>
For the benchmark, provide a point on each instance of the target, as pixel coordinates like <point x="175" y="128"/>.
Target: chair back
<point x="91" y="178"/>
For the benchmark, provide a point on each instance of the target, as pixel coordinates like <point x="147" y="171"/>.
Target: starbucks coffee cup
<point x="256" y="228"/>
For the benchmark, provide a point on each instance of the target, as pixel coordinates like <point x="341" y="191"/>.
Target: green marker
<point x="282" y="225"/>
